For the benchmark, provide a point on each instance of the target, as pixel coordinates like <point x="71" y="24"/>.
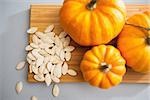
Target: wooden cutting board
<point x="42" y="15"/>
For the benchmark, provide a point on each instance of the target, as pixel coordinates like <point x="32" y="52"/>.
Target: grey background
<point x="14" y="21"/>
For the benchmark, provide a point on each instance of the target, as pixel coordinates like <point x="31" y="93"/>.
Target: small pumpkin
<point x="103" y="66"/>
<point x="92" y="22"/>
<point x="134" y="42"/>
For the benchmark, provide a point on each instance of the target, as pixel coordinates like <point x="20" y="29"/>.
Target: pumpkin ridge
<point x="93" y="76"/>
<point x="109" y="79"/>
<point x="111" y="19"/>
<point x="90" y="77"/>
<point x="115" y="7"/>
<point x="144" y="62"/>
<point x="82" y="27"/>
<point x="93" y="51"/>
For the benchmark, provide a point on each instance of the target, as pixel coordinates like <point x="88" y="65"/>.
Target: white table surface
<point x="14" y="21"/>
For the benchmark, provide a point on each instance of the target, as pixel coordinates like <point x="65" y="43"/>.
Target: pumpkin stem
<point x="105" y="67"/>
<point x="148" y="40"/>
<point x="91" y="5"/>
<point x="147" y="29"/>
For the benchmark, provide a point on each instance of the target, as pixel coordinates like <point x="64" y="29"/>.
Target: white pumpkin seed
<point x="33" y="45"/>
<point x="29" y="60"/>
<point x="19" y="87"/>
<point x="55" y="79"/>
<point x="47" y="59"/>
<point x="28" y="48"/>
<point x="39" y="61"/>
<point x="55" y="90"/>
<point x="35" y="39"/>
<point x="58" y="51"/>
<point x="20" y="65"/>
<point x="40" y="34"/>
<point x="44" y="45"/>
<point x="66" y="41"/>
<point x="57" y="40"/>
<point x="55" y="59"/>
<point x="64" y="68"/>
<point x="50" y="51"/>
<point x="67" y="56"/>
<point x="45" y="71"/>
<point x="50" y="34"/>
<point x="62" y="55"/>
<point x="52" y="69"/>
<point x="41" y="68"/>
<point x="30" y="56"/>
<point x="72" y="72"/>
<point x="34" y="98"/>
<point x="39" y="77"/>
<point x="49" y="65"/>
<point x="35" y="69"/>
<point x="57" y="70"/>
<point x="32" y="30"/>
<point x="62" y="34"/>
<point x="43" y="52"/>
<point x="49" y="28"/>
<point x="69" y="48"/>
<point x="35" y="53"/>
<point x="47" y="40"/>
<point x="48" y="79"/>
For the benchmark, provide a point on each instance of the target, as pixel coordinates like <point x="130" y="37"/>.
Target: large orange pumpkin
<point x="103" y="66"/>
<point x="92" y="22"/>
<point x="134" y="42"/>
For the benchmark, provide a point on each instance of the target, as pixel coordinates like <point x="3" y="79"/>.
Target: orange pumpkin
<point x="103" y="66"/>
<point x="92" y="22"/>
<point x="134" y="42"/>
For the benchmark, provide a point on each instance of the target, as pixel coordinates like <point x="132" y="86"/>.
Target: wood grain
<point x="42" y="15"/>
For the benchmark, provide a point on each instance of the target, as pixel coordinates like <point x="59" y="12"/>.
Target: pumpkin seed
<point x="39" y="61"/>
<point x="55" y="79"/>
<point x="41" y="68"/>
<point x="67" y="56"/>
<point x="29" y="60"/>
<point x="55" y="90"/>
<point x="66" y="41"/>
<point x="48" y="79"/>
<point x="72" y="72"/>
<point x="49" y="28"/>
<point x="34" y="98"/>
<point x="49" y="65"/>
<point x="45" y="71"/>
<point x="19" y="87"/>
<point x="20" y="65"/>
<point x="32" y="30"/>
<point x="28" y="48"/>
<point x="57" y="70"/>
<point x="35" y="39"/>
<point x="33" y="45"/>
<point x="40" y="34"/>
<point x="39" y="77"/>
<point x="64" y="68"/>
<point x="30" y="56"/>
<point x="69" y="48"/>
<point x="62" y="55"/>
<point x="35" y="69"/>
<point x="62" y="35"/>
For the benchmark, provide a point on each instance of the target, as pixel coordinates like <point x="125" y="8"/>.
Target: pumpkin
<point x="134" y="42"/>
<point x="103" y="66"/>
<point x="92" y="22"/>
